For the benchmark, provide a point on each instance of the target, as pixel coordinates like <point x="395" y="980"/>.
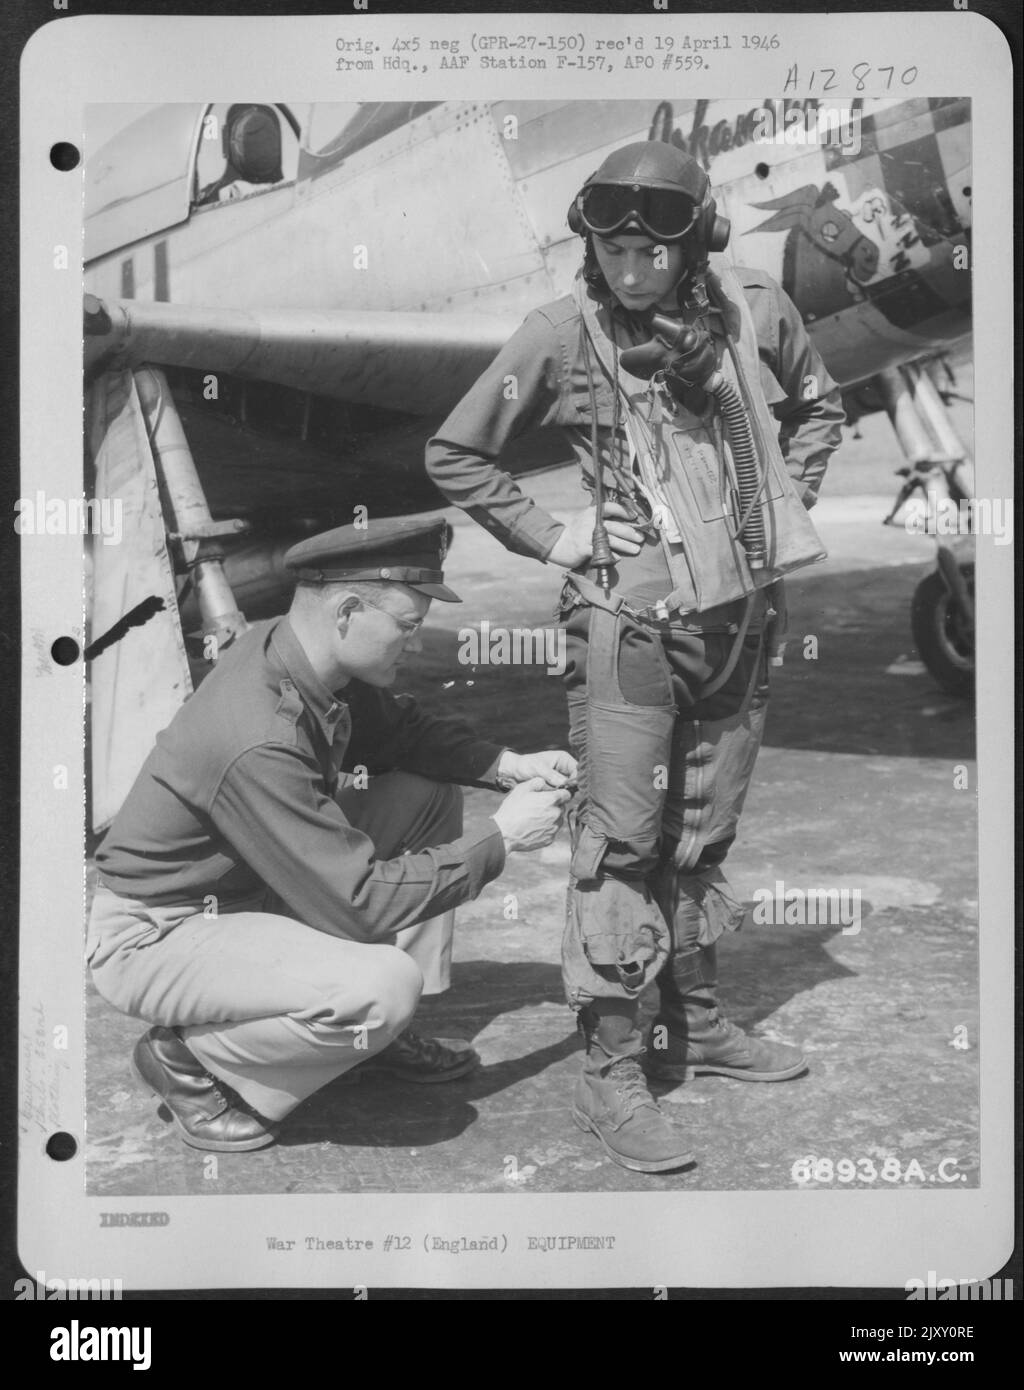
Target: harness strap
<point x="608" y="599"/>
<point x="613" y="603"/>
<point x="654" y="615"/>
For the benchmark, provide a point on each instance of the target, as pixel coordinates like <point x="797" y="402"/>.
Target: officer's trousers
<point x="266" y="1003"/>
<point x="664" y="772"/>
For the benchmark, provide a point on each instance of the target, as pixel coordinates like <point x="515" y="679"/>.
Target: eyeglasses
<point x="409" y="627"/>
<point x="662" y="213"/>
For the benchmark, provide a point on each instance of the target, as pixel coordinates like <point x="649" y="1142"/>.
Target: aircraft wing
<point x="411" y="364"/>
<point x="417" y="363"/>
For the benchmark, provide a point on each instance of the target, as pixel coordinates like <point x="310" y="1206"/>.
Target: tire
<point x="944" y="640"/>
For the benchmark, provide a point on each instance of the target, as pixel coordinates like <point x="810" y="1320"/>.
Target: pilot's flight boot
<point x="206" y="1113"/>
<point x="612" y="1100"/>
<point x="689" y="1036"/>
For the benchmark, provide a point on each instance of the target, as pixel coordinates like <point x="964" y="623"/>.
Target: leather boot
<point x="411" y="1057"/>
<point x="690" y="1037"/>
<point x="202" y="1112"/>
<point x="612" y="1100"/>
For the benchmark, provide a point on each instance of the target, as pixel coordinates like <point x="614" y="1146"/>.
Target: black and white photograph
<point x="531" y="664"/>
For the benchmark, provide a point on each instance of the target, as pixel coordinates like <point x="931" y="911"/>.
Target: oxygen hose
<point x="744" y="458"/>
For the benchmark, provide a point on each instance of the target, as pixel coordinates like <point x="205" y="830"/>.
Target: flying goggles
<point x="665" y="214"/>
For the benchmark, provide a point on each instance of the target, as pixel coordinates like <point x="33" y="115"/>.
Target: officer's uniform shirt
<point x="236" y="797"/>
<point x="552" y="389"/>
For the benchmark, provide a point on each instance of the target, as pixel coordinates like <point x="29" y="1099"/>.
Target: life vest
<point x="684" y="463"/>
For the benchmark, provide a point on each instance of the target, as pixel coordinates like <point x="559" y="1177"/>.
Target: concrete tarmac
<point x="856" y="788"/>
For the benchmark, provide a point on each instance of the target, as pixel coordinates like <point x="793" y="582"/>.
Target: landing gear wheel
<point x="943" y="636"/>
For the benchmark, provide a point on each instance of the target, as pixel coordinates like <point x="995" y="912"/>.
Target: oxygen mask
<point x="681" y="355"/>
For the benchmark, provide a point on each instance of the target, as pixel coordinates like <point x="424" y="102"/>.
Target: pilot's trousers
<point x="663" y="776"/>
<point x="266" y="1003"/>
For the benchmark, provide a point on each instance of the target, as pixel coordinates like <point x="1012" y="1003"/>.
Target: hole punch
<point x="65" y="651"/>
<point x="64" y="156"/>
<point x="61" y="1146"/>
<point x="761" y="170"/>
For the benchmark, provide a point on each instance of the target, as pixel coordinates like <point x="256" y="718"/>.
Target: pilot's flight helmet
<point x="652" y="188"/>
<point x="252" y="143"/>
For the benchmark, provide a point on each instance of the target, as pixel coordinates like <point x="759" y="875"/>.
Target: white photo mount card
<point x="301" y="241"/>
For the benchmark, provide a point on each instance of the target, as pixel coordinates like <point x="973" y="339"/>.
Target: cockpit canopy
<point x="177" y="159"/>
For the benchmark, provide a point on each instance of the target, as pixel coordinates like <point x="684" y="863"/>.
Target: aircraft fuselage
<point x="857" y="210"/>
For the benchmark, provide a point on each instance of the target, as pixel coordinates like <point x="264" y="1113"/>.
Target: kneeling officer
<point x="276" y="891"/>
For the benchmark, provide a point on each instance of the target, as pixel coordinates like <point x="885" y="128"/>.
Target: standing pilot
<point x="702" y="419"/>
<point x="275" y="891"/>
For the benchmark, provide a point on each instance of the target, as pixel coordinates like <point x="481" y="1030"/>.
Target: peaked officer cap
<point x="400" y="550"/>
